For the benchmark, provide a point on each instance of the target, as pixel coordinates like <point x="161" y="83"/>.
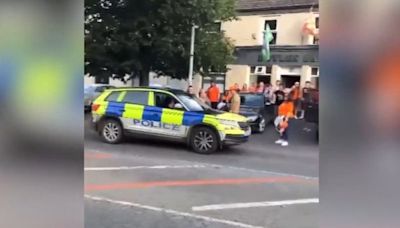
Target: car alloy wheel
<point x="112" y="131"/>
<point x="204" y="140"/>
<point x="261" y="126"/>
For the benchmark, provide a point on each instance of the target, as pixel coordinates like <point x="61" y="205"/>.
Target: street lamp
<point x="190" y="76"/>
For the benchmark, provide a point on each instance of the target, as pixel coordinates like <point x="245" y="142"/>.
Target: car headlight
<point x="252" y="118"/>
<point x="229" y="123"/>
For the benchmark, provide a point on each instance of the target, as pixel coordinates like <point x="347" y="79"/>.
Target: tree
<point x="135" y="37"/>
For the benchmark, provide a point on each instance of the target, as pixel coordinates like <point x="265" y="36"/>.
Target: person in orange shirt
<point x="285" y="110"/>
<point x="295" y="96"/>
<point x="253" y="87"/>
<point x="213" y="95"/>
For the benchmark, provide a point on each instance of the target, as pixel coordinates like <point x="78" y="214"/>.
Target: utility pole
<point x="190" y="76"/>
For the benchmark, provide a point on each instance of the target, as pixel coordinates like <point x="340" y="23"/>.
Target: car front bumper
<point x="235" y="139"/>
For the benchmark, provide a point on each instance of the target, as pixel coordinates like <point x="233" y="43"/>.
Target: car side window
<point x="163" y="100"/>
<point x="113" y="96"/>
<point x="137" y="97"/>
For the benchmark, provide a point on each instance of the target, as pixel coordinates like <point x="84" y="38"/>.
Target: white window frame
<point x="314" y="76"/>
<point x="272" y="30"/>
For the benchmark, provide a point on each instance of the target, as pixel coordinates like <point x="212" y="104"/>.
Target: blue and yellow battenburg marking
<point x="152" y="113"/>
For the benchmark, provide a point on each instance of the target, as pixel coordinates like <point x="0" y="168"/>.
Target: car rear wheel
<point x="111" y="131"/>
<point x="204" y="140"/>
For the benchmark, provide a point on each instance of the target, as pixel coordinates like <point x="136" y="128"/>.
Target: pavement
<point x="150" y="183"/>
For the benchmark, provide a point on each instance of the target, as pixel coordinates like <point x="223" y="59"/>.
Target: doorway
<point x="289" y="80"/>
<point x="263" y="78"/>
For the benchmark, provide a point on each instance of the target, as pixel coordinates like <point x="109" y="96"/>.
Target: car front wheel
<point x="261" y="126"/>
<point x="204" y="140"/>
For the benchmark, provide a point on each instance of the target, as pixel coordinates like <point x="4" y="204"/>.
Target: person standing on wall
<point x="253" y="87"/>
<point x="245" y="88"/>
<point x="213" y="94"/>
<point x="277" y="85"/>
<point x="190" y="90"/>
<point x="235" y="102"/>
<point x="279" y="97"/>
<point x="268" y="93"/>
<point x="295" y="96"/>
<point x="261" y="87"/>
<point x="203" y="97"/>
<point x="305" y="97"/>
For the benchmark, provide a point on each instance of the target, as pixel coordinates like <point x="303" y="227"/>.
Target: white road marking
<point x="145" y="167"/>
<point x="224" y="166"/>
<point x="171" y="212"/>
<point x="254" y="204"/>
<point x="262" y="171"/>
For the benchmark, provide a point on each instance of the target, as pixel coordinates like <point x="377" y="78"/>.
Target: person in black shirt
<point x="279" y="96"/>
<point x="306" y="97"/>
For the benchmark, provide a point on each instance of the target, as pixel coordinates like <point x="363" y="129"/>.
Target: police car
<point x="169" y="114"/>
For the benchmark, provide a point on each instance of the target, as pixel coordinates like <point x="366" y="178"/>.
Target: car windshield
<point x="193" y="103"/>
<point x="253" y="100"/>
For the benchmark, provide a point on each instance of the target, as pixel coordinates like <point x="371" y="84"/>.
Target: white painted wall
<point x="175" y="83"/>
<point x="153" y="79"/>
<point x="115" y="82"/>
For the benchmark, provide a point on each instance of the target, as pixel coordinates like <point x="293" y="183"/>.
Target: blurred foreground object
<point x="41" y="114"/>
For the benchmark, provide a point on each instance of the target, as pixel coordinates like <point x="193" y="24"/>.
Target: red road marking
<point x="137" y="185"/>
<point x="97" y="155"/>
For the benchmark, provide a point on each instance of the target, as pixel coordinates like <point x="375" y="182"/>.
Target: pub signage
<point x="298" y="57"/>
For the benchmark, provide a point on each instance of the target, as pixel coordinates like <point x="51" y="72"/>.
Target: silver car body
<point x="91" y="92"/>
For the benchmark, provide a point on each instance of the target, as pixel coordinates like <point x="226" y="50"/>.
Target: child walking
<point x="285" y="110"/>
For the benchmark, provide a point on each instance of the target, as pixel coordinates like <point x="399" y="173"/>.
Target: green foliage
<point x="136" y="36"/>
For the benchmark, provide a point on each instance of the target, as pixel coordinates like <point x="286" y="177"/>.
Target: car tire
<point x="111" y="131"/>
<point x="204" y="140"/>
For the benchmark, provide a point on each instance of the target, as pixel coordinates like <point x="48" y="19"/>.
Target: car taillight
<point x="95" y="107"/>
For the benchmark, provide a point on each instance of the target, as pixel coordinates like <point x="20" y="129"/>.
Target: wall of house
<point x="237" y="74"/>
<point x="247" y="30"/>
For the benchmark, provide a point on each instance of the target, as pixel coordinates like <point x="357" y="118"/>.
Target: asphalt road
<point x="148" y="183"/>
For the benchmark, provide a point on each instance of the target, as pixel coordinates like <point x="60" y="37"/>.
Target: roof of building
<point x="259" y="5"/>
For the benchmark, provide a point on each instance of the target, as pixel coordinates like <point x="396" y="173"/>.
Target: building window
<point x="261" y="74"/>
<point x="315" y="71"/>
<point x="216" y="27"/>
<point x="269" y="70"/>
<point x="273" y="26"/>
<point x="317" y="22"/>
<point x="315" y="77"/>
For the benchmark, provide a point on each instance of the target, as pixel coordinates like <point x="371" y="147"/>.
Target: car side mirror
<point x="178" y="106"/>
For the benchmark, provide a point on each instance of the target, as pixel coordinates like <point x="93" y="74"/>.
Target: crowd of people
<point x="288" y="102"/>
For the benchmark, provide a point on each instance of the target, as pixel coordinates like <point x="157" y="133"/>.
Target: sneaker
<point x="279" y="141"/>
<point x="285" y="143"/>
